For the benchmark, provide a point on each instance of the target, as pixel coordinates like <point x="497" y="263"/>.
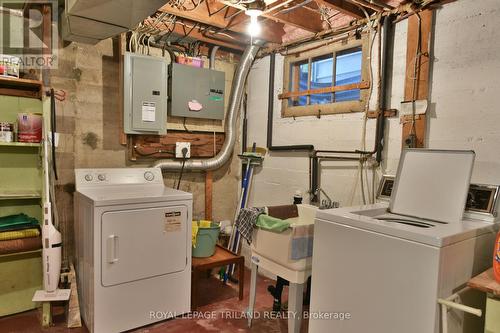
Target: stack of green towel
<point x="17" y="222"/>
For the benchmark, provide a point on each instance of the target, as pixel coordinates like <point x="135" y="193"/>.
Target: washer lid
<point x="432" y="184"/>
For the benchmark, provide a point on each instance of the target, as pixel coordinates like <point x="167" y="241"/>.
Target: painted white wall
<point x="464" y="112"/>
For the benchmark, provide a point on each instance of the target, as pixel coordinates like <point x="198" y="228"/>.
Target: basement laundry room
<point x="267" y="166"/>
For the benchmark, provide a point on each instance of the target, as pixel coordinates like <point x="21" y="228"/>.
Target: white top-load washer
<point x="379" y="272"/>
<point x="133" y="248"/>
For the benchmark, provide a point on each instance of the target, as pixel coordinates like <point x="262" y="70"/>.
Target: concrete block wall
<point x="89" y="121"/>
<point x="463" y="112"/>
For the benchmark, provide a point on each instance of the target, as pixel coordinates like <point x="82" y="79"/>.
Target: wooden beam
<point x="417" y="86"/>
<point x="344" y="7"/>
<point x="153" y="146"/>
<point x="271" y="31"/>
<point x="361" y="85"/>
<point x="300" y="18"/>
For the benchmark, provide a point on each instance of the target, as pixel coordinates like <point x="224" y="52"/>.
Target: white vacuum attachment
<point x="51" y="253"/>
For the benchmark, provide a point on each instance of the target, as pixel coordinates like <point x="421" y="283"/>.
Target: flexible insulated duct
<point x="230" y="124"/>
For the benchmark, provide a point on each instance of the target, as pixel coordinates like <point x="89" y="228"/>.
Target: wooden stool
<point x="221" y="257"/>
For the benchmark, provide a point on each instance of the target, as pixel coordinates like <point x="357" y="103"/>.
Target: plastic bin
<point x="206" y="239"/>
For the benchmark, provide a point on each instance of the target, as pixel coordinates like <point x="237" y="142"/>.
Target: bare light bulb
<point x="254" y="26"/>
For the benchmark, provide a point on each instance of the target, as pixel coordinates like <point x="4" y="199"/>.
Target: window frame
<point x="330" y="108"/>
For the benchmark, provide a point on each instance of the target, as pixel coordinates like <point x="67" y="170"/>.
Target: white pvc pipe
<point x="449" y="302"/>
<point x="461" y="307"/>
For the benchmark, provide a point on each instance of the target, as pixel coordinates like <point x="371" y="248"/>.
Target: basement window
<point x="327" y="80"/>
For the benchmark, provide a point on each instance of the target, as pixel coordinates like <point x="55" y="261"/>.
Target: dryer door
<point x="143" y="243"/>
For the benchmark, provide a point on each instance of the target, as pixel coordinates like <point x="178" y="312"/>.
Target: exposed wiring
<point x="180" y="174"/>
<point x="415" y="79"/>
<point x="185" y="127"/>
<point x="184" y="154"/>
<point x="139" y="151"/>
<point x="361" y="175"/>
<point x="327" y="13"/>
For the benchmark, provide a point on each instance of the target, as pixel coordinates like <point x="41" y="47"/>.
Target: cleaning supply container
<point x="206" y="238"/>
<point x="496" y="259"/>
<point x="29" y="127"/>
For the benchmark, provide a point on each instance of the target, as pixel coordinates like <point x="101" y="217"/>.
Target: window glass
<point x="322" y="77"/>
<point x="347" y="71"/>
<point x="299" y="75"/>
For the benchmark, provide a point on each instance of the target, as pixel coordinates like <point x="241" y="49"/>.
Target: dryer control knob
<point x="149" y="176"/>
<point x="101" y="177"/>
<point x="88" y="177"/>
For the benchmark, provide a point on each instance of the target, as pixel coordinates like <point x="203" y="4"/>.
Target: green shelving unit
<point x="21" y="188"/>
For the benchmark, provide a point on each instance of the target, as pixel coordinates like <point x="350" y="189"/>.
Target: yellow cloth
<point x="17" y="234"/>
<point x="195" y="225"/>
<point x="205" y="224"/>
<point x="194" y="232"/>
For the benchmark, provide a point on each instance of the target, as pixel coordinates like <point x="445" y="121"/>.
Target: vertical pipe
<point x="387" y="30"/>
<point x="314" y="179"/>
<point x="270" y="100"/>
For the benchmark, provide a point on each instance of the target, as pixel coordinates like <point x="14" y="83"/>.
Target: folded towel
<point x="246" y="220"/>
<point x="194" y="232"/>
<point x="283" y="212"/>
<point x="20" y="245"/>
<point x="17" y="221"/>
<point x="270" y="223"/>
<point x="205" y="224"/>
<point x="17" y="234"/>
<point x="302" y="241"/>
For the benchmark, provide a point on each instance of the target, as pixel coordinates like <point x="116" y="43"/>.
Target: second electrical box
<point x="196" y="92"/>
<point x="145" y="94"/>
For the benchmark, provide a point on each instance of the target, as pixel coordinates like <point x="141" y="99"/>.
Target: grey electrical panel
<point x="145" y="94"/>
<point x="196" y="92"/>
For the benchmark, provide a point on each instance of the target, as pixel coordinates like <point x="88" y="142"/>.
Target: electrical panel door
<point x="145" y="94"/>
<point x="196" y="92"/>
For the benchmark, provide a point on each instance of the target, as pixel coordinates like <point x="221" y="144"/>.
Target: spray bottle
<point x="496" y="259"/>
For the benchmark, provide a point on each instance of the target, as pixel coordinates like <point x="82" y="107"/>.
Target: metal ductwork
<point x="90" y="21"/>
<point x="230" y="125"/>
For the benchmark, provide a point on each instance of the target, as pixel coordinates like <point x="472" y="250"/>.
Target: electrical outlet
<point x="178" y="149"/>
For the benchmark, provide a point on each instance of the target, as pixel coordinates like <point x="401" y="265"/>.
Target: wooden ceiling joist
<point x="187" y="29"/>
<point x="217" y="17"/>
<point x="299" y="17"/>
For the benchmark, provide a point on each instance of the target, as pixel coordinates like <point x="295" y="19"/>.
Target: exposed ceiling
<point x="224" y="22"/>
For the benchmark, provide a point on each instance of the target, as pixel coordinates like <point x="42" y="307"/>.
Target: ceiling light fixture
<point x="254" y="10"/>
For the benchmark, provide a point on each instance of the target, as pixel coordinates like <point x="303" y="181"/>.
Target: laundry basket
<point x="206" y="238"/>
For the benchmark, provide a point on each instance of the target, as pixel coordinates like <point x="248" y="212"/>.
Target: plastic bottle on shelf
<point x="297" y="198"/>
<point x="496" y="259"/>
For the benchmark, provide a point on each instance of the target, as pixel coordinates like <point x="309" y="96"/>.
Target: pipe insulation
<point x="223" y="156"/>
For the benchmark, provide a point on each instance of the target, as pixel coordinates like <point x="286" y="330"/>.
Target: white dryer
<point x="133" y="248"/>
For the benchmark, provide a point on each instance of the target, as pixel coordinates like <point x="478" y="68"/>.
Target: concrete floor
<point x="215" y="298"/>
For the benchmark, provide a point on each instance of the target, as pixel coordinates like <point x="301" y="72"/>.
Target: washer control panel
<point x="102" y="177"/>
